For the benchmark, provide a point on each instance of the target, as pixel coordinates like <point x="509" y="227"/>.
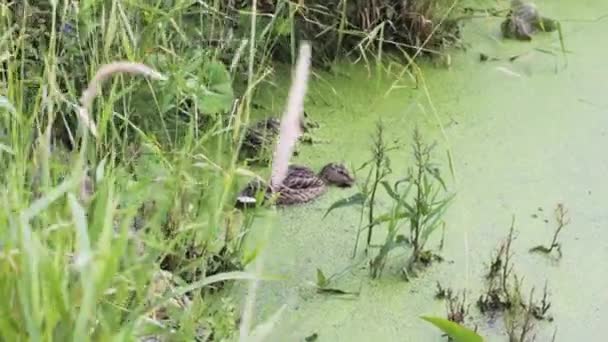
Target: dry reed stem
<point x="107" y="70"/>
<point x="290" y="124"/>
<point x="288" y="136"/>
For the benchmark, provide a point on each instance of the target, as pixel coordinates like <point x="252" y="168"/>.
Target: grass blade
<point x="358" y="198"/>
<point x="455" y="331"/>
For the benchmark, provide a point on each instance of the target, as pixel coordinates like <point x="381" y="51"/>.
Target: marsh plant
<point x="499" y="295"/>
<point x="379" y="168"/>
<point x="520" y="320"/>
<point x="562" y="219"/>
<point x="457" y="307"/>
<point x="426" y="211"/>
<point x="503" y="295"/>
<point x="417" y="204"/>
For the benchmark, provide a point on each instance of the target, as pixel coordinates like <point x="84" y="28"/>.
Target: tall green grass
<point x="86" y="264"/>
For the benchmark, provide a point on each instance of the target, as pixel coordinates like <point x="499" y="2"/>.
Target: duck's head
<point x="337" y="174"/>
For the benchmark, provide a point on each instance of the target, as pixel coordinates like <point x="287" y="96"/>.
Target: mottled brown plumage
<point x="524" y="20"/>
<point x="301" y="185"/>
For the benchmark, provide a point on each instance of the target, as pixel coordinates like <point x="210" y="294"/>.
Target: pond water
<point x="523" y="135"/>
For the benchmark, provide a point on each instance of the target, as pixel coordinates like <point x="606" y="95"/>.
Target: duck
<point x="301" y="185"/>
<point x="524" y="20"/>
<point x="261" y="135"/>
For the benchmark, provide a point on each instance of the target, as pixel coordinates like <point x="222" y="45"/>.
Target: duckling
<point x="261" y="135"/>
<point x="301" y="185"/>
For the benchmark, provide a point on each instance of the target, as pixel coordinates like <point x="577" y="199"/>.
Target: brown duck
<point x="301" y="185"/>
<point x="524" y="20"/>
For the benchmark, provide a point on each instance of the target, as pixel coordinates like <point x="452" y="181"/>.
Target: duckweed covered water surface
<point x="524" y="136"/>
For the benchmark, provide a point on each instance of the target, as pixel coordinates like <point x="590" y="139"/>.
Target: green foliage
<point x="417" y="201"/>
<point x="126" y="236"/>
<point x="146" y="248"/>
<point x="356" y="199"/>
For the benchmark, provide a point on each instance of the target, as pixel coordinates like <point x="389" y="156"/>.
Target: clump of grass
<point x="561" y="216"/>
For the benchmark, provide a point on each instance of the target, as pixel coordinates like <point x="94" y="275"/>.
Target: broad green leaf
<point x="358" y="198"/>
<point x="455" y="331"/>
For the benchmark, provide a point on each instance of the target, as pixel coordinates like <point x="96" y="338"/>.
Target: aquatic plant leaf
<point x="364" y="165"/>
<point x="358" y="198"/>
<point x="455" y="331"/>
<point x="321" y="279"/>
<point x="401" y="240"/>
<point x="312" y="337"/>
<point x="540" y="249"/>
<point x="389" y="190"/>
<point x="437" y="214"/>
<point x="393" y="217"/>
<point x="332" y="291"/>
<point x="434" y="171"/>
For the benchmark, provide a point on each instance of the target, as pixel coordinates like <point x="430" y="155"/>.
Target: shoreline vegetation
<point x="117" y="195"/>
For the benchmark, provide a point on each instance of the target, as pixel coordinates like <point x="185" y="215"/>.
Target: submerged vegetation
<point x="118" y="190"/>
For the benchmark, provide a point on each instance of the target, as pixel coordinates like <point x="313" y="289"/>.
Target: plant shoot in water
<point x="498" y="295"/>
<point x="423" y="210"/>
<point x="561" y="215"/>
<point x="427" y="210"/>
<point x="379" y="170"/>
